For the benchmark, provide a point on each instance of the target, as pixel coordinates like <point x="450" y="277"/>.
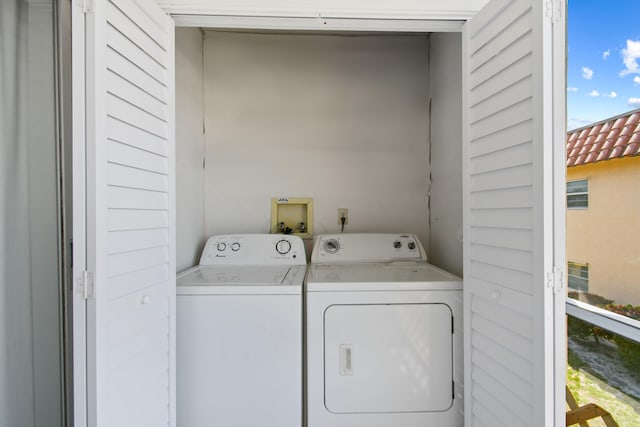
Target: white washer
<point x="239" y="333"/>
<point x="384" y="335"/>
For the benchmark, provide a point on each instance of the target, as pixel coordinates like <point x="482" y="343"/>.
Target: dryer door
<point x="387" y="358"/>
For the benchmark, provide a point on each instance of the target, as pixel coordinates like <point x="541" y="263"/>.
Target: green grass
<point x="586" y="388"/>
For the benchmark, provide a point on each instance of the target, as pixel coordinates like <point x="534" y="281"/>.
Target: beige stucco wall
<point x="607" y="234"/>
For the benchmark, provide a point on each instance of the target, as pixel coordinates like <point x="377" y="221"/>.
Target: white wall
<point x="459" y="9"/>
<point x="445" y="69"/>
<point x="343" y="120"/>
<point x="190" y="235"/>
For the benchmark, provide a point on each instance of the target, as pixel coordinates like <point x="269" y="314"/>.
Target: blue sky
<point x="603" y="69"/>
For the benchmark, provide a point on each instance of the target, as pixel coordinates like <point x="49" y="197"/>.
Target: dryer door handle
<point x="346" y="359"/>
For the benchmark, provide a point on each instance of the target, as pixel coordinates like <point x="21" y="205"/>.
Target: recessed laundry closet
<point x="368" y="122"/>
<point x="364" y="122"/>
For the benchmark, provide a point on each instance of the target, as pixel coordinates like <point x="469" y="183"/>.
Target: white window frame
<point x="584" y="267"/>
<point x="578" y="193"/>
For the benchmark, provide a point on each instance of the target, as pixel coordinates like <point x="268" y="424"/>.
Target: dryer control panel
<point x="367" y="247"/>
<point x="253" y="249"/>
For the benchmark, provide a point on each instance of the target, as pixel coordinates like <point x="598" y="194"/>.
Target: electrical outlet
<point x="343" y="212"/>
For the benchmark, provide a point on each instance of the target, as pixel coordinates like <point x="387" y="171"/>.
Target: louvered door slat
<point x="124" y="133"/>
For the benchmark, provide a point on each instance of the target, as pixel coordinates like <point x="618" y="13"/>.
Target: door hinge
<point x="87" y="285"/>
<point x="555" y="280"/>
<point x="553" y="10"/>
<point x="87" y="6"/>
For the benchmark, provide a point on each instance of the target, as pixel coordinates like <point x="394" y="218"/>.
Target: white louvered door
<point x="512" y="119"/>
<point x="130" y="216"/>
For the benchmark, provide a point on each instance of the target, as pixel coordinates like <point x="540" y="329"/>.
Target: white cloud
<point x="587" y="73"/>
<point x="611" y="94"/>
<point x="633" y="102"/>
<point x="630" y="56"/>
<point x="594" y="93"/>
<point x="606" y="54"/>
<point x="574" y="89"/>
<point x="636" y="80"/>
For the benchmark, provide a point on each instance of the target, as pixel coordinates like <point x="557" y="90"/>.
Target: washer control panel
<point x="253" y="249"/>
<point x="367" y="247"/>
<point x="283" y="247"/>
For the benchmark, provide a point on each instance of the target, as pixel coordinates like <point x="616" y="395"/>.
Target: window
<point x="578" y="276"/>
<point x="578" y="194"/>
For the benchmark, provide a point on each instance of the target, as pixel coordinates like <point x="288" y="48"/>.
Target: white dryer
<point x="384" y="335"/>
<point x="239" y="333"/>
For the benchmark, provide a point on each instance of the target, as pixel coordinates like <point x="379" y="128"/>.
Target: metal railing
<point x="613" y="322"/>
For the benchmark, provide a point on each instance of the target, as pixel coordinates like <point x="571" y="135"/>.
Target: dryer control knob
<point x="283" y="246"/>
<point x="331" y="246"/>
<point x="397" y="244"/>
<point x="411" y="245"/>
<point x="222" y="246"/>
<point x="235" y="246"/>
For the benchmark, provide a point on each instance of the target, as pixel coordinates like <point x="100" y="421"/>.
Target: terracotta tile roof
<point x="610" y="139"/>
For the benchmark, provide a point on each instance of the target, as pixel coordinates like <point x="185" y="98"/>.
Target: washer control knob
<point x="397" y="244"/>
<point x="221" y="246"/>
<point x="411" y="245"/>
<point x="235" y="246"/>
<point x="331" y="246"/>
<point x="283" y="247"/>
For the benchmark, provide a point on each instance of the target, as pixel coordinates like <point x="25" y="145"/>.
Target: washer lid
<point x="215" y="280"/>
<point x="379" y="277"/>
